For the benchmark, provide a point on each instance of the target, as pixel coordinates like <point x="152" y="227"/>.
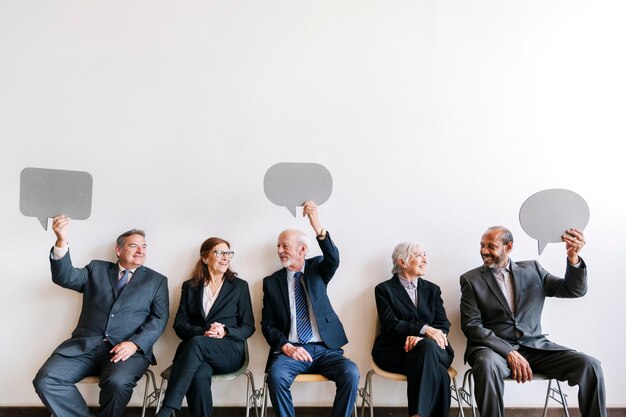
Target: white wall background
<point x="435" y="118"/>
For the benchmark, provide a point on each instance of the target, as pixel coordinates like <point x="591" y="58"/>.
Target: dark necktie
<point x="124" y="280"/>
<point x="303" y="321"/>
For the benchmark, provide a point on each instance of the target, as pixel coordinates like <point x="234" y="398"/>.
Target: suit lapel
<point x="114" y="272"/>
<point x="403" y="296"/>
<point x="516" y="278"/>
<point x="495" y="288"/>
<point x="284" y="290"/>
<point x="227" y="287"/>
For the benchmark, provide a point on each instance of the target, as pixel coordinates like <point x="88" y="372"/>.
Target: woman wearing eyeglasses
<point x="214" y="319"/>
<point x="414" y="332"/>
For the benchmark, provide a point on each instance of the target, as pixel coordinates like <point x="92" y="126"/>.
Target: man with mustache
<point x="299" y="323"/>
<point x="501" y="305"/>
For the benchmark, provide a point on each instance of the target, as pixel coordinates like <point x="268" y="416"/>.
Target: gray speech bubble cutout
<point x="291" y="184"/>
<point x="47" y="193"/>
<point x="546" y="215"/>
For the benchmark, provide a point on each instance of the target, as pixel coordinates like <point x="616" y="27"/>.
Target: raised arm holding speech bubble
<point x="48" y="193"/>
<point x="548" y="214"/>
<point x="290" y="184"/>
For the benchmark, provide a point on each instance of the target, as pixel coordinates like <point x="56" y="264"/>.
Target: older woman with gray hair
<point x="414" y="329"/>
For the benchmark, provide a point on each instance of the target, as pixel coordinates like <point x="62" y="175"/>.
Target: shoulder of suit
<point x="474" y="272"/>
<point x="429" y="284"/>
<point x="152" y="273"/>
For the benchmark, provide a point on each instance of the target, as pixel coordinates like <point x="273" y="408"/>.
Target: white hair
<point x="404" y="251"/>
<point x="300" y="237"/>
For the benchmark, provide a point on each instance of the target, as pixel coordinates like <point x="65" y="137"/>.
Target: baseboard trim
<point x="315" y="412"/>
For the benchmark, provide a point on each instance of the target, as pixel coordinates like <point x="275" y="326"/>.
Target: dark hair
<point x="201" y="271"/>
<point x="505" y="234"/>
<point x="122" y="238"/>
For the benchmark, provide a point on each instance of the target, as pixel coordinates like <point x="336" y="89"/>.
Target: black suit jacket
<point x="400" y="318"/>
<point x="487" y="320"/>
<point x="232" y="308"/>
<point x="276" y="321"/>
<point x="138" y="313"/>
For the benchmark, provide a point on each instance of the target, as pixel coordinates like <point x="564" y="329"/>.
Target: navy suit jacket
<point x="137" y="313"/>
<point x="232" y="308"/>
<point x="487" y="320"/>
<point x="400" y="318"/>
<point x="276" y="318"/>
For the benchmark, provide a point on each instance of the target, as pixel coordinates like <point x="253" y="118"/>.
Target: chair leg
<point x="149" y="399"/>
<point x="466" y="392"/>
<point x="555" y="392"/>
<point x="366" y="394"/>
<point x="251" y="394"/>
<point x="264" y="394"/>
<point x="161" y="395"/>
<point x="457" y="397"/>
<point x="563" y="398"/>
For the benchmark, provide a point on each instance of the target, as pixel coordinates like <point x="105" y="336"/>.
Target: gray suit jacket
<point x="487" y="320"/>
<point x="138" y="313"/>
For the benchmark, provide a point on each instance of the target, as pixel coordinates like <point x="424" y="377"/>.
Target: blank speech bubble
<point x="291" y="184"/>
<point x="546" y="215"/>
<point x="50" y="192"/>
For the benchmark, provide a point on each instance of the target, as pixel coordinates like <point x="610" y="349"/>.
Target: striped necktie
<point x="303" y="321"/>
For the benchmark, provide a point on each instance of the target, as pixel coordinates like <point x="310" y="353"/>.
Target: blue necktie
<point x="124" y="280"/>
<point x="303" y="321"/>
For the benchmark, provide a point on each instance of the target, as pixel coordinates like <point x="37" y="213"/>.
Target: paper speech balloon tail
<point x="542" y="246"/>
<point x="44" y="222"/>
<point x="292" y="210"/>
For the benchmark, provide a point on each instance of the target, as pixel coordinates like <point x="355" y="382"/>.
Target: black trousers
<point x="426" y="369"/>
<point x="197" y="360"/>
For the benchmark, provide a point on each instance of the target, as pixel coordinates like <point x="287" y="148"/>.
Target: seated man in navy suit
<point x="125" y="309"/>
<point x="299" y="323"/>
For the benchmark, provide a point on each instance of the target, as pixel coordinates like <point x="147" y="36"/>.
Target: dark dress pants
<point x="426" y="369"/>
<point x="490" y="369"/>
<point x="55" y="383"/>
<point x="197" y="361"/>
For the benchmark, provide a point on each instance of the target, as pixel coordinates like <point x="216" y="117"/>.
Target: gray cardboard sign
<point x="47" y="193"/>
<point x="546" y="215"/>
<point x="291" y="184"/>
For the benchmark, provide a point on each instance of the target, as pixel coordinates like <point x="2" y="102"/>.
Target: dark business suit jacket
<point x="276" y="321"/>
<point x="487" y="320"/>
<point x="400" y="318"/>
<point x="137" y="313"/>
<point x="232" y="308"/>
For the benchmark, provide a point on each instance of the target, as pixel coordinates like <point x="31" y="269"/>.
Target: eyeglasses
<point x="223" y="253"/>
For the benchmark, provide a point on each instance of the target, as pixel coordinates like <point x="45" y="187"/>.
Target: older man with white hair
<point x="299" y="323"/>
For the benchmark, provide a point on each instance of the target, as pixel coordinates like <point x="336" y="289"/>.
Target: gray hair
<point x="301" y="238"/>
<point x="505" y="234"/>
<point x="404" y="250"/>
<point x="122" y="238"/>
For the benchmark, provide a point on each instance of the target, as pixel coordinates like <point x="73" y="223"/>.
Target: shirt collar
<point x="409" y="285"/>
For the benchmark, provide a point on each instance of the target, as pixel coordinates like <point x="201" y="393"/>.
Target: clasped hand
<point x="216" y="330"/>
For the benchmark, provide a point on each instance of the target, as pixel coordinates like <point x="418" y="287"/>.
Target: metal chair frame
<point x="554" y="391"/>
<point x="367" y="392"/>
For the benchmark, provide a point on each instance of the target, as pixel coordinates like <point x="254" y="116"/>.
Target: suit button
<point x="113" y="315"/>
